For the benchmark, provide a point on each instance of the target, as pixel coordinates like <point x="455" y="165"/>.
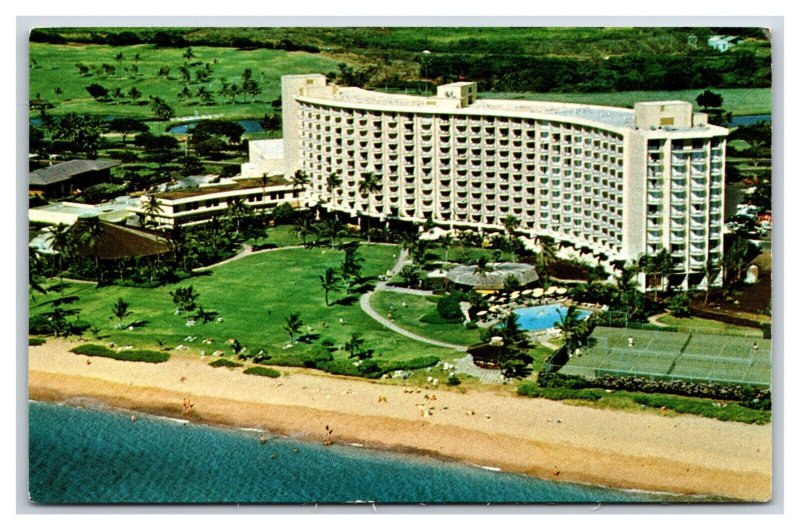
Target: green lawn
<point x="53" y="66"/>
<point x="416" y="307"/>
<point x="704" y="325"/>
<point x="739" y="101"/>
<point x="253" y="296"/>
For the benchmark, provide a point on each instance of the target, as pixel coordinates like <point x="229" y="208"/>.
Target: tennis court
<point x="673" y="355"/>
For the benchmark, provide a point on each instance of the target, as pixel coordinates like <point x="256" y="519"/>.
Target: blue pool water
<point x="544" y="316"/>
<point x="97" y="455"/>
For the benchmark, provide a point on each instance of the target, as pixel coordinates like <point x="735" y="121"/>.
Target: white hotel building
<point x="616" y="182"/>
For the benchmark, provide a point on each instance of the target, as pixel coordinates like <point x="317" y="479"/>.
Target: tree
<point x="511" y="224"/>
<point x="185" y="299"/>
<point x="446" y="241"/>
<point x="333" y="182"/>
<point x="161" y="109"/>
<point x="546" y="255"/>
<point x="36" y="272"/>
<point x="708" y="100"/>
<point x="188" y="54"/>
<point x="331" y="228"/>
<point x="152" y="207"/>
<point x="293" y="324"/>
<point x="299" y="179"/>
<point x="352" y="263"/>
<point x="63" y="244"/>
<point x="238" y="210"/>
<point x="91" y="230"/>
<point x="710" y="271"/>
<point x="657" y="266"/>
<point x="572" y="327"/>
<point x="735" y="260"/>
<point x="679" y="305"/>
<point x="355" y="347"/>
<point x="185" y="93"/>
<point x="757" y="137"/>
<point x="411" y="274"/>
<point x="164" y="72"/>
<point x="126" y="126"/>
<point x="304" y="225"/>
<point x="83" y="70"/>
<point x="330" y="282"/>
<point x="205" y="96"/>
<point x="369" y="185"/>
<point x="270" y="122"/>
<point x="120" y="311"/>
<point x="98" y="92"/>
<point x="134" y="93"/>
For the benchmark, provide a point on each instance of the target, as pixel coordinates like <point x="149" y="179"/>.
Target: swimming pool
<point x="544" y="316"/>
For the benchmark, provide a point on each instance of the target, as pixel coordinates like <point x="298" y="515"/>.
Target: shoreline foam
<point x="622" y="450"/>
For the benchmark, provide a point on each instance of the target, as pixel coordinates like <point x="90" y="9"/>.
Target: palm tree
<point x="355" y="347"/>
<point x="237" y="210"/>
<point x="36" y="267"/>
<point x="735" y="260"/>
<point x="351" y="264"/>
<point x="710" y="270"/>
<point x="293" y="324"/>
<point x="657" y="266"/>
<point x="547" y="254"/>
<point x="367" y="187"/>
<point x="573" y="328"/>
<point x="91" y="230"/>
<point x="446" y="241"/>
<point x="151" y="208"/>
<point x="120" y="310"/>
<point x="63" y="244"/>
<point x="300" y="179"/>
<point x="332" y="228"/>
<point x="333" y="182"/>
<point x="184" y="298"/>
<point x="304" y="225"/>
<point x="329" y="282"/>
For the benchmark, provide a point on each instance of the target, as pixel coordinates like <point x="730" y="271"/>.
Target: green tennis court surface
<point x="670" y="355"/>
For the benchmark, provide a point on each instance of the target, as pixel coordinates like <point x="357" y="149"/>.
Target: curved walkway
<point x="402" y="260"/>
<point x="247" y="251"/>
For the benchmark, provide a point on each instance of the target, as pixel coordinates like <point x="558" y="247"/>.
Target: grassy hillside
<point x="55" y="77"/>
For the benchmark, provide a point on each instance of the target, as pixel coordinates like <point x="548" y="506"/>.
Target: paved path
<point x="466" y="366"/>
<point x="402" y="261"/>
<point x="247" y="251"/>
<point x="406" y="290"/>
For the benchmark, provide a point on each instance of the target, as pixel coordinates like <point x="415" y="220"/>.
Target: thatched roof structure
<point x="494" y="276"/>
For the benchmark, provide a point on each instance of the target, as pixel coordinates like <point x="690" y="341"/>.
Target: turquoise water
<point x="90" y="455"/>
<point x="544" y="316"/>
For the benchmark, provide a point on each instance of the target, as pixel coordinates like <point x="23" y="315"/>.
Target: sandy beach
<point x="636" y="450"/>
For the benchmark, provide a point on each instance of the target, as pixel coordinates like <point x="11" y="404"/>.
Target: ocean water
<point x="88" y="454"/>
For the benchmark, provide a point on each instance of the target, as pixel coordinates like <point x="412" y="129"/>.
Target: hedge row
<point x="36" y="341"/>
<point x="749" y="396"/>
<point x="708" y="408"/>
<point x="262" y="371"/>
<point x="98" y="350"/>
<point x="220" y="363"/>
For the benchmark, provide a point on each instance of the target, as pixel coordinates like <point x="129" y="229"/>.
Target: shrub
<point x="262" y="371"/>
<point x="453" y="380"/>
<point x="449" y="307"/>
<point x="36" y="341"/>
<point x="412" y="364"/>
<point x="98" y="350"/>
<point x="224" y="362"/>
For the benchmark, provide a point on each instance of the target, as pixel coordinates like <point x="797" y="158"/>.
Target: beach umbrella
<point x="561" y="290"/>
<point x="527" y="292"/>
<point x="551" y="290"/>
